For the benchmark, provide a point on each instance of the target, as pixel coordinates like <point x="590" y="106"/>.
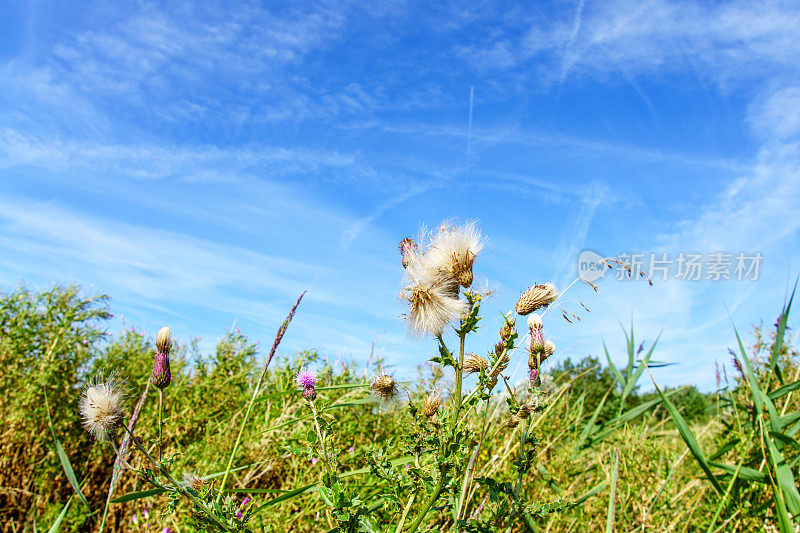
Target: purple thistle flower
<point x="165" y="530"/>
<point x="306" y="379"/>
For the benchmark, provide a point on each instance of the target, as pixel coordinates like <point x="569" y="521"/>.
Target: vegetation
<point x="249" y="446"/>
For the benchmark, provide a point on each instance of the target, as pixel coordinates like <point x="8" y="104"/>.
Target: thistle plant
<point x="439" y="278"/>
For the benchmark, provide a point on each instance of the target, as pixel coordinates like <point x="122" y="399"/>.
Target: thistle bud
<point x="474" y="363"/>
<point x="162" y="376"/>
<point x="536" y="297"/>
<point x="407" y="248"/>
<point x="524" y="411"/>
<point x="535" y="322"/>
<point x="537" y="342"/>
<point x="535" y="377"/>
<point x="508" y="328"/>
<point x="163" y="341"/>
<point x="549" y="348"/>
<point x="310" y="394"/>
<point x="431" y="404"/>
<point x="512" y="422"/>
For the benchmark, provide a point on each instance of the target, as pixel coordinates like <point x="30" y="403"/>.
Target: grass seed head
<point x="101" y="408"/>
<point x="536" y="297"/>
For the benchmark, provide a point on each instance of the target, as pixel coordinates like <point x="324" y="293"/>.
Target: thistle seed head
<point x="431" y="404"/>
<point x="536" y="297"/>
<point x="162" y="375"/>
<point x="164" y="341"/>
<point x="101" y="408"/>
<point x="384" y="387"/>
<point x="474" y="363"/>
<point x="453" y="249"/>
<point x="535" y="322"/>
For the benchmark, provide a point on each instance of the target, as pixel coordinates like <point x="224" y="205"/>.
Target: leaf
<point x="786" y="389"/>
<point x="137" y="495"/>
<point x="777" y="346"/>
<point x="589" y="428"/>
<point x="689" y="438"/>
<point x="639" y="369"/>
<point x="748" y="474"/>
<point x="59" y="518"/>
<point x="614" y="370"/>
<point x="62" y="456"/>
<point x="591" y="492"/>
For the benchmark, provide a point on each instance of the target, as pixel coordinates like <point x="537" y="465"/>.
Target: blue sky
<point x="204" y="163"/>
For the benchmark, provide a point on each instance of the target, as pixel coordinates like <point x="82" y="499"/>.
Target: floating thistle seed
<point x="101" y="408"/>
<point x="384" y="387"/>
<point x="536" y="297"/>
<point x="474" y="363"/>
<point x="162" y="375"/>
<point x="193" y="481"/>
<point x="430" y="405"/>
<point x="454" y="250"/>
<point x="164" y="341"/>
<point x="535" y="322"/>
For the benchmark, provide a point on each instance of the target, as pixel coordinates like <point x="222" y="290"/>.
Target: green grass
<point x="603" y="456"/>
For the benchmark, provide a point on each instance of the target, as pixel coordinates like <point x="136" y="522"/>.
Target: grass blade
<point x="688" y="437"/>
<point x="62" y="456"/>
<point x="612" y="496"/>
<point x="60" y="517"/>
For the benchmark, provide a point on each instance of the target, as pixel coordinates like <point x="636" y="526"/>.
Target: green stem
<point x="180" y="488"/>
<point x="321" y="437"/>
<point x="160" y="423"/>
<point x="276" y="342"/>
<point x="428" y="504"/>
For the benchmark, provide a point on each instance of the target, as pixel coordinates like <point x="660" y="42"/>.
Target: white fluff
<point x="101" y="408"/>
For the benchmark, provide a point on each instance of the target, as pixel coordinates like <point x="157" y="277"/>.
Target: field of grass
<point x="586" y="453"/>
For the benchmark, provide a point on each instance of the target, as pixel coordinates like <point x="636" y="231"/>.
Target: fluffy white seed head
<point x="101" y="408"/>
<point x="433" y="296"/>
<point x="535" y="321"/>
<point x="453" y="250"/>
